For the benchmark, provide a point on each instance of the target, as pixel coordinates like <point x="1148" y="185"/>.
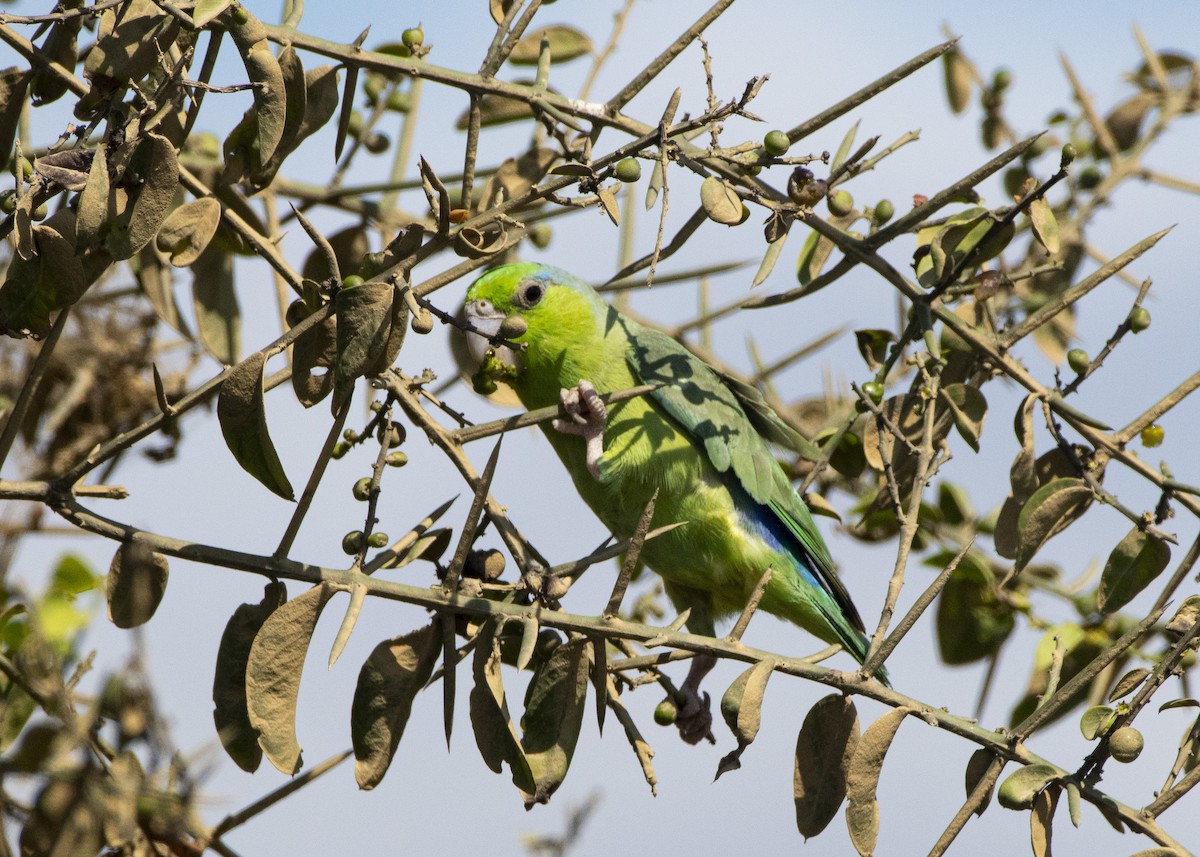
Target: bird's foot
<point x="584" y="414"/>
<point x="695" y="709"/>
<point x="694" y="720"/>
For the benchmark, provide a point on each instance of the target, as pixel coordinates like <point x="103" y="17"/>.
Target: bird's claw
<point x="694" y="720"/>
<point x="584" y="414"/>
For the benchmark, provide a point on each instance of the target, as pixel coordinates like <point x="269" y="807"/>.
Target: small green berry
<point x="340" y="449"/>
<point x="413" y="37"/>
<point x="378" y="539"/>
<point x="1078" y="360"/>
<point x="745" y="214"/>
<point x="376" y="142"/>
<point x="1139" y="319"/>
<point x="353" y="542"/>
<point x="362" y="489"/>
<point x="540" y="234"/>
<point x="840" y="203"/>
<point x="873" y="391"/>
<point x="1126" y="744"/>
<point x="1002" y="79"/>
<point x="352" y="281"/>
<point x="1152" y="436"/>
<point x="884" y="211"/>
<point x="628" y="170"/>
<point x="241" y="15"/>
<point x="397" y="459"/>
<point x="373" y="87"/>
<point x="8" y="202"/>
<point x="1090" y="176"/>
<point x="666" y="712"/>
<point x="752" y="169"/>
<point x="1068" y="156"/>
<point x="777" y="143"/>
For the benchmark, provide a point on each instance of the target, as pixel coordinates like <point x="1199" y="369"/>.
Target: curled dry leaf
<point x="495" y="735"/>
<point x="273" y="675"/>
<point x="231" y="714"/>
<point x="393" y="674"/>
<point x="554" y="709"/>
<point x="241" y="411"/>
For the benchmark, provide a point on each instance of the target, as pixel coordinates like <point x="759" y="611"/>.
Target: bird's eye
<point x="530" y="294"/>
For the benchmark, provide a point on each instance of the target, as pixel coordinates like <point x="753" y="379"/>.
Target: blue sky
<point x="440" y="802"/>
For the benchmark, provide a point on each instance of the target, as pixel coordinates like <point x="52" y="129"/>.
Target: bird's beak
<point x="486" y="319"/>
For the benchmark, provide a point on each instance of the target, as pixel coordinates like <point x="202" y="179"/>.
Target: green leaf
<point x="814" y="253"/>
<point x="273" y="675"/>
<point x="566" y="43"/>
<point x="972" y="620"/>
<point x="1095" y="721"/>
<point x="977" y="767"/>
<point x="270" y="98"/>
<point x="824" y="747"/>
<point x="958" y="78"/>
<point x="218" y="317"/>
<point x="1131" y="567"/>
<point x="1023" y="785"/>
<point x="137" y="580"/>
<point x="372" y="319"/>
<point x="53" y="278"/>
<point x="554" y="709"/>
<point x="206" y="10"/>
<point x="968" y="408"/>
<point x="862" y="780"/>
<point x="873" y="345"/>
<point x="1051" y="509"/>
<point x="231" y="714"/>
<point x="393" y="674"/>
<point x="241" y="411"/>
<point x="72" y="576"/>
<point x="495" y="735"/>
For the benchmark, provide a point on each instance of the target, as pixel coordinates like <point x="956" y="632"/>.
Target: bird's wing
<point x="727" y="420"/>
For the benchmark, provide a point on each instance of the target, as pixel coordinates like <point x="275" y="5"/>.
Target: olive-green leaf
<point x="498" y="110"/>
<point x="186" y="232"/>
<point x="1041" y="820"/>
<point x="393" y="674"/>
<point x="741" y="706"/>
<point x="968" y="408"/>
<point x="1131" y="567"/>
<point x="873" y="345"/>
<point x="1095" y="721"/>
<point x="554" y="709"/>
<point x="1074" y="803"/>
<point x="93" y="203"/>
<point x="218" y="317"/>
<point x="566" y="43"/>
<point x="241" y="411"/>
<point x="154" y="278"/>
<point x="720" y="201"/>
<point x="206" y="10"/>
<point x="313" y="349"/>
<point x="321" y="100"/>
<point x="958" y="78"/>
<point x="495" y="735"/>
<point x="824" y="747"/>
<point x="131" y="39"/>
<point x="270" y="98"/>
<point x="972" y="619"/>
<point x="14" y="84"/>
<point x="1125" y="121"/>
<point x="1127" y="683"/>
<point x="350" y="247"/>
<point x="231" y="715"/>
<point x="814" y="253"/>
<point x="1023" y="785"/>
<point x="977" y="767"/>
<point x="136" y="215"/>
<point x="137" y="580"/>
<point x="862" y="780"/>
<point x="273" y="675"/>
<point x="371" y="322"/>
<point x="1051" y="509"/>
<point x="1045" y="225"/>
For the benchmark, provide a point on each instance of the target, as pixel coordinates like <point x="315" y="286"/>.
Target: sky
<point x="440" y="801"/>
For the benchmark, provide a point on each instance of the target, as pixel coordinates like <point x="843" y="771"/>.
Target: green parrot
<point x="701" y="440"/>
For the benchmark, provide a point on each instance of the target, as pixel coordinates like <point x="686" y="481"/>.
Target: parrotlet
<point x="701" y="439"/>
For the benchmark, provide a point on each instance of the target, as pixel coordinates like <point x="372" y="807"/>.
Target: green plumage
<point x="701" y="440"/>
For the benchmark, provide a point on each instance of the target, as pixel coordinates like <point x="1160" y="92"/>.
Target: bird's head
<point x="541" y="310"/>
